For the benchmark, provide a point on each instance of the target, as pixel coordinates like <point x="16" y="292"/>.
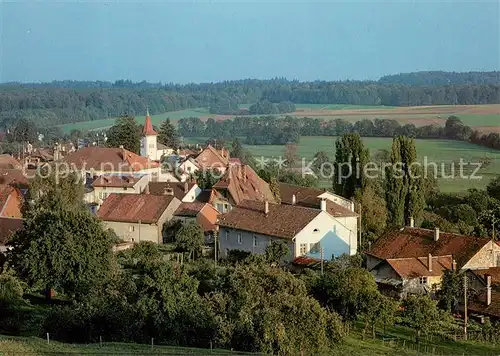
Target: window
<point x="423" y="280"/>
<point x="316" y="230"/>
<point x="131" y="228"/>
<point x="239" y="239"/>
<point x="255" y="242"/>
<point x="303" y="249"/>
<point x="227" y="235"/>
<point x="124" y="188"/>
<point x="189" y="169"/>
<point x="315" y="247"/>
<point x="220" y="208"/>
<point x="151" y="145"/>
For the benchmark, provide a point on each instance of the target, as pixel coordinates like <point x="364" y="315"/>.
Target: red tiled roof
<point x="16" y="177"/>
<point x="244" y="184"/>
<point x="494" y="272"/>
<point x="418" y="242"/>
<point x="178" y="188"/>
<point x="9" y="162"/>
<point x="418" y="267"/>
<point x="134" y="207"/>
<point x="189" y="209"/>
<point x="283" y="221"/>
<point x="115" y="181"/>
<point x="148" y="127"/>
<point x="208" y="218"/>
<point x="5" y="192"/>
<point x="305" y="261"/>
<point x="211" y="158"/>
<point x="7" y="227"/>
<point x="108" y="160"/>
<point x="308" y="197"/>
<point x="478" y="305"/>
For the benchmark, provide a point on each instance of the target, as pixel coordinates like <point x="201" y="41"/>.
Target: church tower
<point x="148" y="141"/>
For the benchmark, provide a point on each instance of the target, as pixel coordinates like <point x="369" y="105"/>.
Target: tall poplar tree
<point x="351" y="157"/>
<point x="404" y="183"/>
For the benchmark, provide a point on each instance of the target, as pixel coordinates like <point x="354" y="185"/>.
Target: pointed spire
<point x="148" y="126"/>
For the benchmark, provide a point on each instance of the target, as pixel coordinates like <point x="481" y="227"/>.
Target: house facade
<point x="413" y="260"/>
<point x="150" y="148"/>
<point x="105" y="185"/>
<point x="138" y="217"/>
<point x="252" y="226"/>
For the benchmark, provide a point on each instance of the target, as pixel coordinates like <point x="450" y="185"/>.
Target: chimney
<point x="488" y="289"/>
<point x="124" y="158"/>
<point x="323" y="204"/>
<point x="186" y="187"/>
<point x="146" y="189"/>
<point x="266" y="207"/>
<point x="429" y="262"/>
<point x="412" y="222"/>
<point x="436" y="234"/>
<point x="294" y="199"/>
<point x="454" y="265"/>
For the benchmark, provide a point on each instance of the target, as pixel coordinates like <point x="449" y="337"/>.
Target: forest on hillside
<point x="63" y="102"/>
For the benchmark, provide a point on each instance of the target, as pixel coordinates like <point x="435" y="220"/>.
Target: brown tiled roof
<point x="494" y="272"/>
<point x="189" y="209"/>
<point x="211" y="158"/>
<point x="418" y="242"/>
<point x="45" y="154"/>
<point x="108" y="159"/>
<point x="418" y="267"/>
<point x="16" y="177"/>
<point x="115" y="181"/>
<point x="478" y="305"/>
<point x="283" y="221"/>
<point x="305" y="261"/>
<point x="244" y="184"/>
<point x="178" y="188"/>
<point x="188" y="152"/>
<point x="134" y="207"/>
<point x="7" y="227"/>
<point x="308" y="197"/>
<point x="9" y="162"/>
<point x="208" y="218"/>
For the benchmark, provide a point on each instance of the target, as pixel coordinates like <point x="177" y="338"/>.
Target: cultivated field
<point x="483" y="117"/>
<point x="443" y="153"/>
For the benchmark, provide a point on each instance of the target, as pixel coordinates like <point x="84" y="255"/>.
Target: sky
<point x="181" y="42"/>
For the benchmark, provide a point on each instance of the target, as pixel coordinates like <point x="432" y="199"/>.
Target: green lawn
<point x="443" y="153"/>
<point x="397" y="341"/>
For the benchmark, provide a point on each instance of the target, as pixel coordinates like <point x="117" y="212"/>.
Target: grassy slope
<point x="352" y="345"/>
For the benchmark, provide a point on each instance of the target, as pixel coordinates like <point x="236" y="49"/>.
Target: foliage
<point x="265" y="107"/>
<point x="168" y="135"/>
<point x="373" y="212"/>
<point x="275" y="189"/>
<point x="451" y="290"/>
<point x="276" y="251"/>
<point x="125" y="133"/>
<point x="302" y="180"/>
<point x="290" y="154"/>
<point x="207" y="178"/>
<point x="190" y="238"/>
<point x="421" y="313"/>
<point x="62" y="245"/>
<point x="404" y="184"/>
<point x="351" y="157"/>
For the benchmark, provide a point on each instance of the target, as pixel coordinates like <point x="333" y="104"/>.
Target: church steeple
<point x="148" y="126"/>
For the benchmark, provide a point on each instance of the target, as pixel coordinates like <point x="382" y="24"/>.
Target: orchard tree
<point x="421" y="313"/>
<point x="62" y="246"/>
<point x="168" y="134"/>
<point x="190" y="238"/>
<point x="125" y="133"/>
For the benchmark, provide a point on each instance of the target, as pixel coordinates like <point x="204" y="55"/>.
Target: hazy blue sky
<point x="213" y="41"/>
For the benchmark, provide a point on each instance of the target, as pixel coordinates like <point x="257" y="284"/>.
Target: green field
<point x="442" y="152"/>
<point x="416" y="115"/>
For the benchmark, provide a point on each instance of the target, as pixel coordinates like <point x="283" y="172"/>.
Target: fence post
<point x="152" y="343"/>
<point x="48" y="339"/>
<point x="210" y="346"/>
<point x="100" y="341"/>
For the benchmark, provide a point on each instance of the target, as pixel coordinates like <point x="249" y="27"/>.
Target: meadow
<point x="396" y="341"/>
<point x="445" y="153"/>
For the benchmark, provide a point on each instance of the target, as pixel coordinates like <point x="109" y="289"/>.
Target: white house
<point x="104" y="185"/>
<point x="252" y="225"/>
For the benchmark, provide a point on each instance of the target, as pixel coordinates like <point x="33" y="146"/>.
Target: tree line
<point x="272" y="130"/>
<point x="71" y="101"/>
